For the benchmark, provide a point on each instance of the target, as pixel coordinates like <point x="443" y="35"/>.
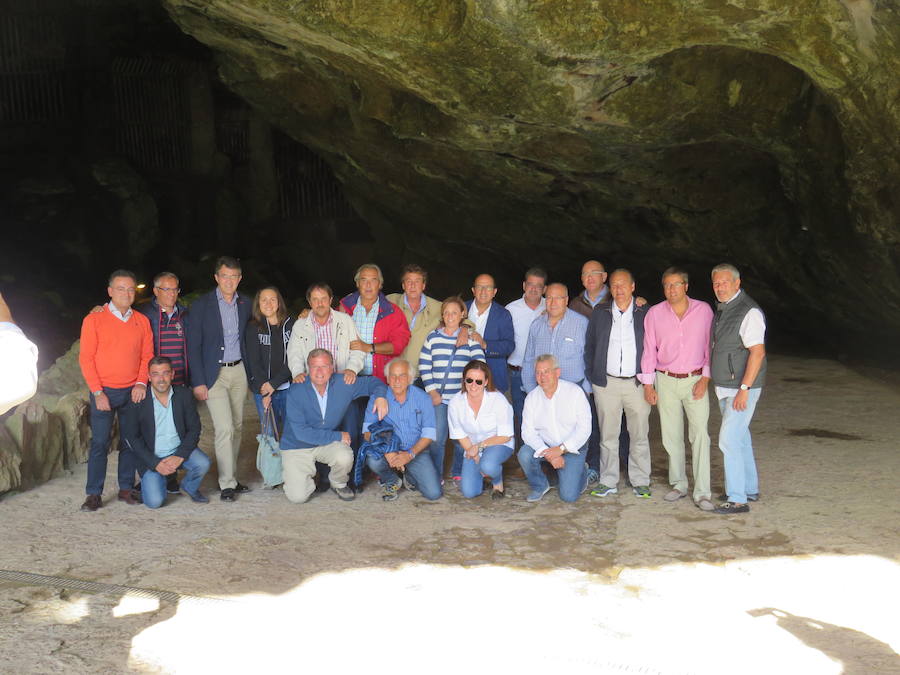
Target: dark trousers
<point x="101" y="428"/>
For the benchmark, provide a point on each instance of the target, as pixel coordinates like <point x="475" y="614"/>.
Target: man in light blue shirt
<point x="411" y="413"/>
<point x="559" y="332"/>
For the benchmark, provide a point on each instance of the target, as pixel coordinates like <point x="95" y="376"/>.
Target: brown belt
<point x="681" y="376"/>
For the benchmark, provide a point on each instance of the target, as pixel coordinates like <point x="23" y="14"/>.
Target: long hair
<point x="280" y="314"/>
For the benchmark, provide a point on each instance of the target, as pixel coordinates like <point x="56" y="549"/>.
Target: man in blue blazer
<point x="163" y="434"/>
<point x="215" y="362"/>
<point x="315" y="411"/>
<point x="493" y="328"/>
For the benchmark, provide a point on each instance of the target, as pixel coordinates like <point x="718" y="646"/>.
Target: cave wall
<point x="507" y="132"/>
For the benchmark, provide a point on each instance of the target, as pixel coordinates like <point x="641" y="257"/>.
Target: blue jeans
<point x="420" y="469"/>
<point x="490" y="465"/>
<point x="153" y="484"/>
<point x="517" y="393"/>
<point x="279" y="405"/>
<point x="101" y="427"/>
<point x="572" y="477"/>
<point x="737" y="447"/>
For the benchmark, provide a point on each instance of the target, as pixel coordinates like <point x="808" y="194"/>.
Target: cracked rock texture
<point x="645" y="132"/>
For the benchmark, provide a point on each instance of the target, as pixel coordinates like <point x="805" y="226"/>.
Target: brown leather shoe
<point x="92" y="503"/>
<point x="129" y="496"/>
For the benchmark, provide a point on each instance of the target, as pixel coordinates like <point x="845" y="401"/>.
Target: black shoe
<point x="750" y="498"/>
<point x="92" y="503"/>
<point x="730" y="507"/>
<point x="227" y="495"/>
<point x="497" y="494"/>
<point x="240" y="487"/>
<point x="200" y="498"/>
<point x="172" y="484"/>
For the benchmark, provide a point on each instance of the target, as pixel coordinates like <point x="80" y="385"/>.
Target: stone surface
<point x="50" y="432"/>
<point x="646" y="133"/>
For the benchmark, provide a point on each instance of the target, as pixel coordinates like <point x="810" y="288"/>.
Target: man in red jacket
<point x="383" y="333"/>
<point x="116" y="346"/>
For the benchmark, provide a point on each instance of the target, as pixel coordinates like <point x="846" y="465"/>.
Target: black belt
<point x="515" y="368"/>
<point x="622" y="377"/>
<point x="229" y="364"/>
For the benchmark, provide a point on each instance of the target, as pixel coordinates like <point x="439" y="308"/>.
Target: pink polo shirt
<point x="673" y="344"/>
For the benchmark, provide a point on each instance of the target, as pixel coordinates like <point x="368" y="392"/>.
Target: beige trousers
<point x="226" y="408"/>
<point x="617" y="396"/>
<point x="298" y="468"/>
<point x="674" y="396"/>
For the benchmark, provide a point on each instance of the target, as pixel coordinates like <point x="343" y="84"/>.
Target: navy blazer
<point x="596" y="342"/>
<point x="500" y="338"/>
<point x="139" y="427"/>
<point x="304" y="426"/>
<point x="206" y="339"/>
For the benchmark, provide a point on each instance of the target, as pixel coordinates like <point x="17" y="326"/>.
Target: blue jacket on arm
<point x="206" y="339"/>
<point x="304" y="426"/>
<point x="500" y="338"/>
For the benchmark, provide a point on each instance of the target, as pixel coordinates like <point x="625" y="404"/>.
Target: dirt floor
<point x="807" y="582"/>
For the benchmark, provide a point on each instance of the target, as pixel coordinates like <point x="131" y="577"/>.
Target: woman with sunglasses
<point x="441" y="364"/>
<point x="266" y="339"/>
<point x="481" y="421"/>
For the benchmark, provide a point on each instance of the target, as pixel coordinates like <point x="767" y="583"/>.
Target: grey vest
<point x="728" y="358"/>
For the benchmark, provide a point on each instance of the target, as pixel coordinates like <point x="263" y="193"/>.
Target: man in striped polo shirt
<point x="168" y="323"/>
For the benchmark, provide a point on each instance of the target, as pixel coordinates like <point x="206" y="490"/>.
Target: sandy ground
<point x="808" y="582"/>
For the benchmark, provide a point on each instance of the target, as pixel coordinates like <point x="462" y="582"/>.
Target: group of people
<point x="383" y="381"/>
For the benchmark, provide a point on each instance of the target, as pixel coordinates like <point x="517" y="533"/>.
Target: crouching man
<point x="163" y="432"/>
<point x="315" y="410"/>
<point x="411" y="414"/>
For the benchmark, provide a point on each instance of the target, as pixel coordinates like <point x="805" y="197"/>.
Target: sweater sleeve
<point x="88" y="352"/>
<point x="143" y="375"/>
<point x="256" y="371"/>
<point x="425" y="366"/>
<point x="194" y="330"/>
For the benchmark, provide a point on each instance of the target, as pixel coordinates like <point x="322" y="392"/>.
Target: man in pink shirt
<point x="676" y="361"/>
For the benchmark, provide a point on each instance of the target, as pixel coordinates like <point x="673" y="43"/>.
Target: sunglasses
<point x="471" y="380"/>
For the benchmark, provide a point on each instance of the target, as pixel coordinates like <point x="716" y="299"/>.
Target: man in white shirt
<point x="18" y="362"/>
<point x="612" y="355"/>
<point x="556" y="424"/>
<point x="523" y="311"/>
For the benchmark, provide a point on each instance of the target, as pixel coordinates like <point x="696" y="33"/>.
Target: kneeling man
<point x="411" y="413"/>
<point x="315" y="409"/>
<point x="163" y="432"/>
<point x="556" y="425"/>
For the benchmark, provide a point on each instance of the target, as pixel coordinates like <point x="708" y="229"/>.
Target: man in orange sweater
<point x="116" y="346"/>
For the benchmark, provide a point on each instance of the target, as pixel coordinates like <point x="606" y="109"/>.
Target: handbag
<point x="268" y="454"/>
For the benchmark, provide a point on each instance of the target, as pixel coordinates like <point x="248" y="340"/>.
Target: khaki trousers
<point x="623" y="395"/>
<point x="226" y="408"/>
<point x="674" y="396"/>
<point x="298" y="468"/>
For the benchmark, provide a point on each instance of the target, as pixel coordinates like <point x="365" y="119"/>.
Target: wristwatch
<point x="744" y="387"/>
<point x="562" y="446"/>
<point x="97" y="393"/>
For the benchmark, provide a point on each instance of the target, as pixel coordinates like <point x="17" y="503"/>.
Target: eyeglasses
<point x="472" y="380"/>
<point x="167" y="290"/>
<point x="595" y="273"/>
<point x="674" y="284"/>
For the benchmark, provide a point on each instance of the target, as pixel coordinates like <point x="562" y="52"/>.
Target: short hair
<point x="449" y="301"/>
<point x="160" y="361"/>
<point x="412" y="268"/>
<point x="399" y="359"/>
<point x="122" y="273"/>
<point x="478" y="364"/>
<point x="726" y="267"/>
<point x="368" y="266"/>
<point x="319" y="286"/>
<point x="537" y="272"/>
<point x="547" y="358"/>
<point x="622" y="270"/>
<point x="165" y="275"/>
<point x="229" y="262"/>
<point x="280" y="314"/>
<point x="561" y="285"/>
<point x="670" y="271"/>
<point x="316" y="353"/>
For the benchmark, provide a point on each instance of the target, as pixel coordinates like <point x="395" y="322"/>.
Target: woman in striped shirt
<point x="441" y="364"/>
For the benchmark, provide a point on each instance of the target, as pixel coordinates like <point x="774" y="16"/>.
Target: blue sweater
<point x="304" y="426"/>
<point x="435" y="368"/>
